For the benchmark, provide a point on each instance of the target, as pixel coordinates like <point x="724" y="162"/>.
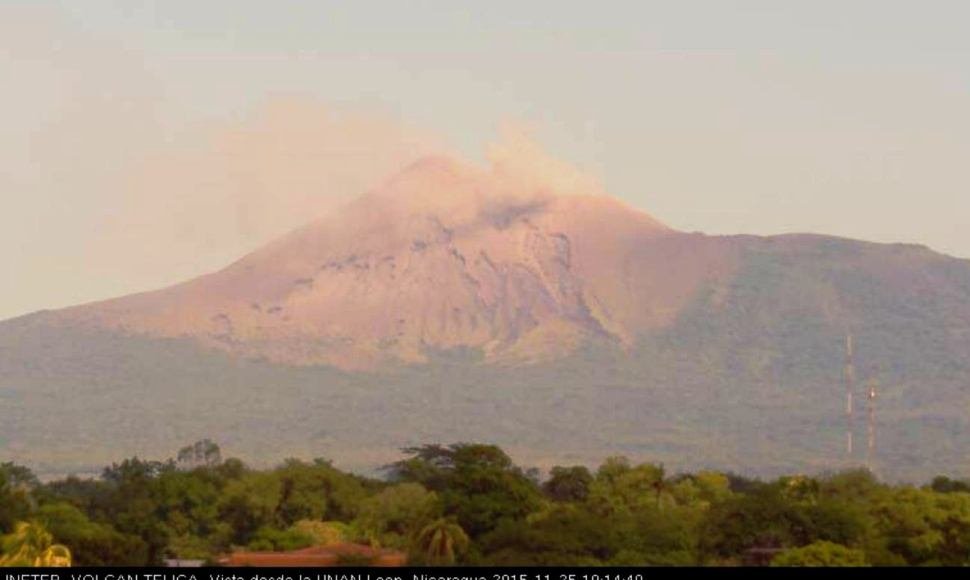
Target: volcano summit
<point x="443" y="256"/>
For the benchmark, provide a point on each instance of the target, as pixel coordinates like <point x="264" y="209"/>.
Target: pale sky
<point x="143" y="143"/>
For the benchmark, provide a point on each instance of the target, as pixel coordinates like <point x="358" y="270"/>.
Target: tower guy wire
<point x="849" y="377"/>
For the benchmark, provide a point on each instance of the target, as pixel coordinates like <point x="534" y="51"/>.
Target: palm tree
<point x="31" y="544"/>
<point x="441" y="541"/>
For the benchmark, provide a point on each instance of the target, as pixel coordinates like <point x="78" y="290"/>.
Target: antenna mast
<point x="871" y="422"/>
<point x="849" y="385"/>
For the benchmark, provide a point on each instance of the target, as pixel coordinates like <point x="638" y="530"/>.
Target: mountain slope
<point x="454" y="304"/>
<point x="442" y="257"/>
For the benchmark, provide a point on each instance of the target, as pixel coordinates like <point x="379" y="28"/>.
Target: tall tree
<point x="568" y="483"/>
<point x="16" y="495"/>
<point x="478" y="484"/>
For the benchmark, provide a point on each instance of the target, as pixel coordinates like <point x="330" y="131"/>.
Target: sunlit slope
<point x="443" y="256"/>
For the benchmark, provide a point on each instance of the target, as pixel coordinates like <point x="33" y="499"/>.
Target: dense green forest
<point x="470" y="504"/>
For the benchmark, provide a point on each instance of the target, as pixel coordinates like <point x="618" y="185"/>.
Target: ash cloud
<point x="241" y="184"/>
<point x="115" y="188"/>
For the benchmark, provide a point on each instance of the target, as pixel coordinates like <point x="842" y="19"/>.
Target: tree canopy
<point x="469" y="503"/>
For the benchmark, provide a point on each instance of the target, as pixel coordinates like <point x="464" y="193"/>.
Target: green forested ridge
<point x="470" y="504"/>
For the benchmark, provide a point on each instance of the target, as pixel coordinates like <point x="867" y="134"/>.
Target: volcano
<point x="456" y="303"/>
<point x="442" y="257"/>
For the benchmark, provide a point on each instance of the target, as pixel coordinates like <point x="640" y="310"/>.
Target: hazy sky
<point x="142" y="143"/>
